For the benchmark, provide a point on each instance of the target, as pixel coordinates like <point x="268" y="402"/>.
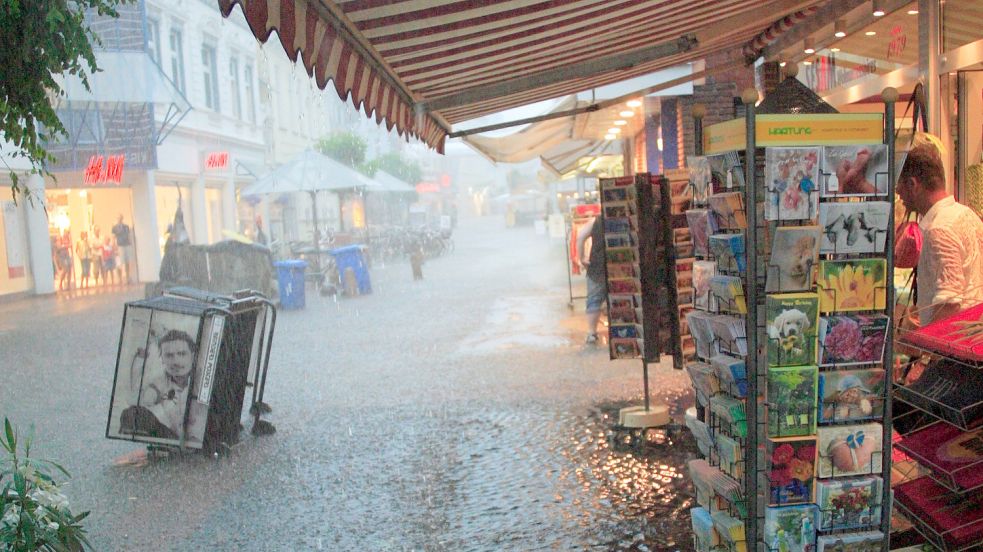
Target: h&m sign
<point x="104" y="170"/>
<point x="217" y="160"/>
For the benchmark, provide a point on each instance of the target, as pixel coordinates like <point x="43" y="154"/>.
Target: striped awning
<point x="424" y="65"/>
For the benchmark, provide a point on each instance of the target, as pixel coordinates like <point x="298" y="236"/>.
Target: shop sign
<point x="427" y="187"/>
<point x="217" y="160"/>
<point x="899" y="40"/>
<point x="796" y="130"/>
<point x="103" y="170"/>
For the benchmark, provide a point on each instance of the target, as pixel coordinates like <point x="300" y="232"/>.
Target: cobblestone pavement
<point x="460" y="412"/>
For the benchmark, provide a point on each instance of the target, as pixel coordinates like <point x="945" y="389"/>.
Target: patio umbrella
<point x="309" y="172"/>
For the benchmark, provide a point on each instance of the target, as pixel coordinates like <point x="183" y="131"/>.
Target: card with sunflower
<point x="852" y="285"/>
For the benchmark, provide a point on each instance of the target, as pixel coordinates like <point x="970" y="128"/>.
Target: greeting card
<point x="729" y="334"/>
<point x="701" y="225"/>
<point x="792" y="328"/>
<point x="850" y="450"/>
<point x="791" y="397"/>
<point x="856" y="171"/>
<point x="728" y="251"/>
<point x="622" y="347"/>
<point x="730" y="455"/>
<point x="791" y="177"/>
<point x="704" y="380"/>
<point x="616" y="255"/>
<point x="867" y="541"/>
<point x="852" y="285"/>
<point x="730" y="414"/>
<point x="701" y="329"/>
<point x="853" y="503"/>
<point x="731" y="374"/>
<point x="706" y="535"/>
<point x="728" y="210"/>
<point x="790" y="468"/>
<point x="700" y="178"/>
<point x="853" y="227"/>
<point x="791" y="528"/>
<point x="794" y="256"/>
<point x="701" y="433"/>
<point x="703" y="271"/>
<point x="726" y="170"/>
<point x="851" y="339"/>
<point x="728" y="294"/>
<point x="851" y="395"/>
<point x="731" y="530"/>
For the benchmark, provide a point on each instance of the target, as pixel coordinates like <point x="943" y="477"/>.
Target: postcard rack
<point x="767" y="342"/>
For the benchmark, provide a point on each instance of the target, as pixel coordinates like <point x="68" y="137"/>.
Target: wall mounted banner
<point x="796" y="130"/>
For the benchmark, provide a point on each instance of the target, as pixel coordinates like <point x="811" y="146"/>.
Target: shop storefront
<point x="16" y="276"/>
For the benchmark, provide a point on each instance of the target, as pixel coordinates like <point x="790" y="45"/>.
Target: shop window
<point x="84" y="127"/>
<point x="210" y="76"/>
<point x="247" y="77"/>
<point x="234" y="82"/>
<point x="153" y="39"/>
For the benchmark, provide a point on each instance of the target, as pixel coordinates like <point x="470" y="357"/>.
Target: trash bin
<point x="290" y="280"/>
<point x="352" y="257"/>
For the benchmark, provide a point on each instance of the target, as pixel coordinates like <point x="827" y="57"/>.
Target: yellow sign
<point x="797" y="130"/>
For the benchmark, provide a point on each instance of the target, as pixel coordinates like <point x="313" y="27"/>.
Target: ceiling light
<point x="614" y="130"/>
<point x="620" y="122"/>
<point x="634" y="103"/>
<point x="609" y="136"/>
<point x="809" y="46"/>
<point x="627" y="113"/>
<point x="912" y="12"/>
<point x="834" y="49"/>
<point x="781" y="64"/>
<point x="878" y="8"/>
<point x="806" y="63"/>
<point x="870" y="33"/>
<point x="840" y="28"/>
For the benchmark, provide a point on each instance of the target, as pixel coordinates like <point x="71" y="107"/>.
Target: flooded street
<point x="460" y="412"/>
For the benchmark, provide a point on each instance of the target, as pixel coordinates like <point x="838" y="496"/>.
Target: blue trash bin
<point x="290" y="280"/>
<point x="353" y="257"/>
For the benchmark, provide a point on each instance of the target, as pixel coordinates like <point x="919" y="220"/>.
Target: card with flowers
<point x="851" y="339"/>
<point x="849" y="503"/>
<point x="791" y="528"/>
<point x="791" y="396"/>
<point x="791" y="177"/>
<point x="849" y="450"/>
<point x="852" y="285"/>
<point x="851" y="395"/>
<point x="867" y="541"/>
<point x="790" y="468"/>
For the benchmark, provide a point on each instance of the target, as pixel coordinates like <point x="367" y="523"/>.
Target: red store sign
<point x="217" y="160"/>
<point x="104" y="170"/>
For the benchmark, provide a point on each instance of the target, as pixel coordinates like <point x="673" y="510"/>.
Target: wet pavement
<point x="460" y="412"/>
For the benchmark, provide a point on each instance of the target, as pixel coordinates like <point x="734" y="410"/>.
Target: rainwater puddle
<point x="517" y="323"/>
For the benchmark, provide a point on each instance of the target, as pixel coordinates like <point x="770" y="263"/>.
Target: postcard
<point x="703" y="529"/>
<point x="624" y="301"/>
<point x="851" y="395"/>
<point x="701" y="225"/>
<point x="729" y="334"/>
<point x="728" y="251"/>
<point x="794" y="258"/>
<point x="622" y="270"/>
<point x="623" y="239"/>
<point x="730" y="413"/>
<point x="866" y="541"/>
<point x="700" y="328"/>
<point x="850" y="450"/>
<point x="618" y="225"/>
<point x="730" y="529"/>
<point x="614" y="195"/>
<point x="703" y="271"/>
<point x="731" y="374"/>
<point x="790" y="468"/>
<point x="625" y="348"/>
<point x="791" y="183"/>
<point x="791" y="528"/>
<point x="624" y="285"/>
<point x="726" y="170"/>
<point x="855" y="227"/>
<point x="851" y="339"/>
<point x="792" y="328"/>
<point x="701" y="433"/>
<point x="791" y="397"/>
<point x="625" y="330"/>
<point x="849" y="503"/>
<point x="619" y="209"/>
<point x="617" y="255"/>
<point x="624" y="315"/>
<point x="852" y="285"/>
<point x="731" y="456"/>
<point x="728" y="294"/>
<point x="700" y="178"/>
<point x="854" y="171"/>
<point x="728" y="210"/>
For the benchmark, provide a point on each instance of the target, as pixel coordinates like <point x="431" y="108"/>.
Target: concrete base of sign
<point x="637" y="417"/>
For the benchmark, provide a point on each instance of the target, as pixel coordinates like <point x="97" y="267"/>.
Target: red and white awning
<point x="423" y="65"/>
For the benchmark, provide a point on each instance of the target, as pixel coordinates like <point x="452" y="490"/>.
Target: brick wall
<point x="718" y="98"/>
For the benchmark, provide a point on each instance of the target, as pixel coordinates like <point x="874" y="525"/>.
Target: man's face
<point x="177" y="358"/>
<point x="908" y="189"/>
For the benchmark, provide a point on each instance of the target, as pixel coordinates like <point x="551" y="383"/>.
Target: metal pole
<point x="699" y="111"/>
<point x="889" y="95"/>
<point x="645" y="377"/>
<point x="750" y="96"/>
<point x="317" y="233"/>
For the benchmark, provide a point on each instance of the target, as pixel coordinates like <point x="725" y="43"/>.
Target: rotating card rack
<point x="788" y="429"/>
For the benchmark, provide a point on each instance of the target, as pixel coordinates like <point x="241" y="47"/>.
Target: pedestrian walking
<point x="591" y="257"/>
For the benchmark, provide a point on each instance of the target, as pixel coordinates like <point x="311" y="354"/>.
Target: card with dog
<point x="791" y="177"/>
<point x="703" y="298"/>
<point x="853" y="227"/>
<point x="851" y="395"/>
<point x="792" y="328"/>
<point x="701" y="225"/>
<point x="850" y="450"/>
<point x="728" y="250"/>
<point x="852" y="285"/>
<point x="794" y="256"/>
<point x="855" y="171"/>
<point x="728" y="210"/>
<point x="851" y="339"/>
<point x="791" y="400"/>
